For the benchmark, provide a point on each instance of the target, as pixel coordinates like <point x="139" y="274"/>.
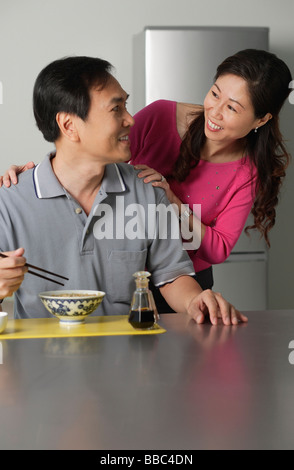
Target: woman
<point x="227" y="155"/>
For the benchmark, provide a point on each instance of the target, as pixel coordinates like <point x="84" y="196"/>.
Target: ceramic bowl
<point x="3" y="321"/>
<point x="71" y="306"/>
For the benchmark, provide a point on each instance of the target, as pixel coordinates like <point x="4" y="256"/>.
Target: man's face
<point x="104" y="135"/>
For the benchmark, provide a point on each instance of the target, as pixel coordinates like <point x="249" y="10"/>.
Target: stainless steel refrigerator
<point x="179" y="63"/>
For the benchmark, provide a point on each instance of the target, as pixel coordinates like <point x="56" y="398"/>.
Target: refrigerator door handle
<point x="247" y="256"/>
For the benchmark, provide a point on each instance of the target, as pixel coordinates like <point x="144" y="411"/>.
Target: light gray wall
<point x="34" y="32"/>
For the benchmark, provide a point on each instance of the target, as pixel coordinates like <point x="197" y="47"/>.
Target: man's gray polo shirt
<point x="96" y="252"/>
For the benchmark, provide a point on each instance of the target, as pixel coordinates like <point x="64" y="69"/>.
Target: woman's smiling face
<point x="228" y="110"/>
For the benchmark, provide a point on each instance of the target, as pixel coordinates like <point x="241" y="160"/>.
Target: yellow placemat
<point x="93" y="326"/>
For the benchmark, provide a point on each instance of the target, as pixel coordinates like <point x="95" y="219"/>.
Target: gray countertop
<point x="193" y="387"/>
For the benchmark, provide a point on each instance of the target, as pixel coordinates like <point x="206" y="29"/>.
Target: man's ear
<point x="67" y="126"/>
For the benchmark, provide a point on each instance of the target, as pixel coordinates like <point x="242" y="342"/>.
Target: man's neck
<point x="81" y="179"/>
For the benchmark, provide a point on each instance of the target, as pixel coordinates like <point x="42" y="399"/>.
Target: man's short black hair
<point x="64" y="86"/>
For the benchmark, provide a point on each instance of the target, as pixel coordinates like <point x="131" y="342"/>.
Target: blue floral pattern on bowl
<point x="71" y="306"/>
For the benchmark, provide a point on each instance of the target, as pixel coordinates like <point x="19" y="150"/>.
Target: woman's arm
<point x="219" y="238"/>
<point x="157" y="180"/>
<point x="222" y="235"/>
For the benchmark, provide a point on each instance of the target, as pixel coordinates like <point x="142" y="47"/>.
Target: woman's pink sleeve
<point x="221" y="236"/>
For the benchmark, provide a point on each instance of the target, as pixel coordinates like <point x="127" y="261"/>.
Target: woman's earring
<point x="256" y="129"/>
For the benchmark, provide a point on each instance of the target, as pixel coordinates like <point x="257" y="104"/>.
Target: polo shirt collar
<point x="113" y="181"/>
<point x="45" y="182"/>
<point x="47" y="185"/>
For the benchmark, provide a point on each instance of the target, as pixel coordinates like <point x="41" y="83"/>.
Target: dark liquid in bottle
<point x="142" y="319"/>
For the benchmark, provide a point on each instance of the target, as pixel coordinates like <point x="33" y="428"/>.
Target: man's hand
<point x="12" y="271"/>
<point x="212" y="305"/>
<point x="185" y="295"/>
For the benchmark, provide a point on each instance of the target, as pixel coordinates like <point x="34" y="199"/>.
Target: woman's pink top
<point x="226" y="191"/>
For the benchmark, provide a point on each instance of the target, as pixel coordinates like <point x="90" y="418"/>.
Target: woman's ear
<point x="66" y="124"/>
<point x="264" y="120"/>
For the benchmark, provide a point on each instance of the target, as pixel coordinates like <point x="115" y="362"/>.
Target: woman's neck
<point x="220" y="153"/>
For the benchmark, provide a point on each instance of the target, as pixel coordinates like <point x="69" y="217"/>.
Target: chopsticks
<point x="40" y="269"/>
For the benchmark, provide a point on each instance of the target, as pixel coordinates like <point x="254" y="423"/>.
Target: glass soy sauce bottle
<point x="143" y="312"/>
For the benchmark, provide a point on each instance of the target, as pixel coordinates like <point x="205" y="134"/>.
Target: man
<point x="58" y="209"/>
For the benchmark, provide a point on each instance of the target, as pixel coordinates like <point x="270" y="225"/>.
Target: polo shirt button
<point x="78" y="210"/>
